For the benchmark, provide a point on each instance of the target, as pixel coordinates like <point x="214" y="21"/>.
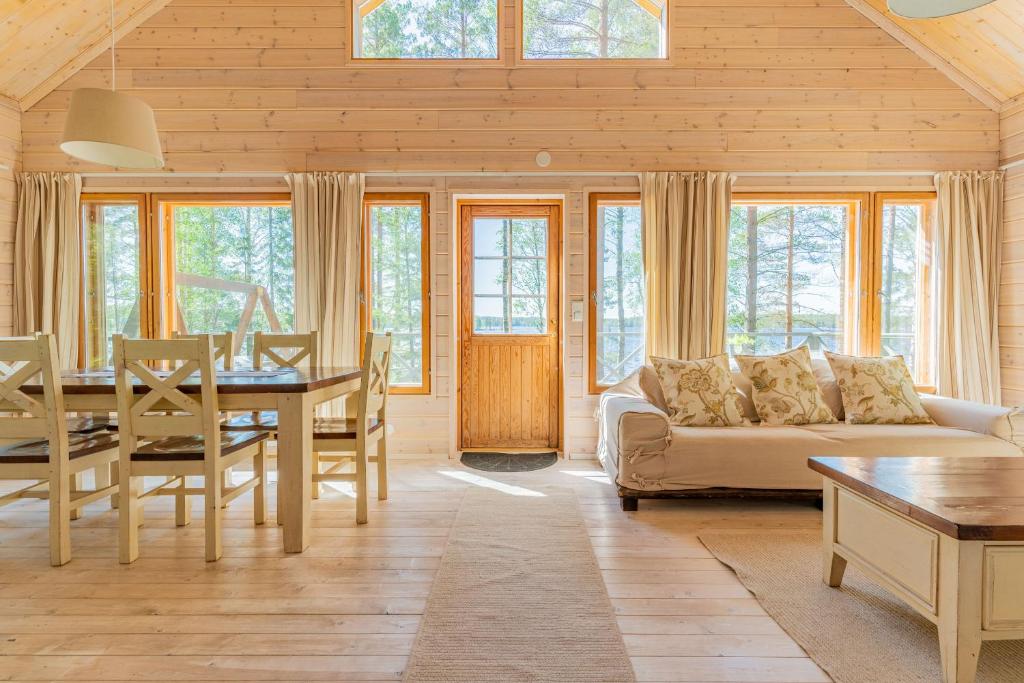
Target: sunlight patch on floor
<point x="477" y="480"/>
<point x="598" y="476"/>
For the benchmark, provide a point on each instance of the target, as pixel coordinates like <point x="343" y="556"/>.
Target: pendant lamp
<point x="110" y="128"/>
<point x="930" y="9"/>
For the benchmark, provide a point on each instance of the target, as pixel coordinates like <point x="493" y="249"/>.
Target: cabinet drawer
<point x="894" y="547"/>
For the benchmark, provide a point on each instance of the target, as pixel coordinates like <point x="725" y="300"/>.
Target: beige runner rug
<point x="858" y="633"/>
<point x="519" y="597"/>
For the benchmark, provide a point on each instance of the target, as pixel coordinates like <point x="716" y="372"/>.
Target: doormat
<point x="508" y="462"/>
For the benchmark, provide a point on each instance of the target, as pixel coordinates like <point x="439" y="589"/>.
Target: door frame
<point x="556" y="235"/>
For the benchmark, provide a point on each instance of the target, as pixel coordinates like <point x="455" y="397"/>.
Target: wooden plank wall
<point x="10" y="163"/>
<point x="752" y="85"/>
<point x="1011" y="291"/>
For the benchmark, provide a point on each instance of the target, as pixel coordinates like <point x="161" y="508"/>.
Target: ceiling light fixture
<point x="930" y="9"/>
<point x="110" y="128"/>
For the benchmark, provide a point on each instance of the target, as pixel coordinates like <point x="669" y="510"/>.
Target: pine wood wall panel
<point x="754" y="85"/>
<point x="1011" y="291"/>
<point x="10" y="163"/>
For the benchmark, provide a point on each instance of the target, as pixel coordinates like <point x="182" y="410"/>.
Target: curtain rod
<point x="281" y="174"/>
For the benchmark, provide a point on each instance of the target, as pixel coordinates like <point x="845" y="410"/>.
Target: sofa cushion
<point x="700" y="393"/>
<point x="775" y="457"/>
<point x="877" y="390"/>
<point x="785" y="390"/>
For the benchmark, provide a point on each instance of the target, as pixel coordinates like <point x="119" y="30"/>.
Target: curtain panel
<point x="968" y="246"/>
<point x="685" y="245"/>
<point x="327" y="211"/>
<point x="48" y="260"/>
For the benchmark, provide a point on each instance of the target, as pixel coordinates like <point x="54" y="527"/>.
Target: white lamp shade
<point x="113" y="129"/>
<point x="929" y="9"/>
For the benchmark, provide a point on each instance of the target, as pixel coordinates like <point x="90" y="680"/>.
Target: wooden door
<point x="509" y="333"/>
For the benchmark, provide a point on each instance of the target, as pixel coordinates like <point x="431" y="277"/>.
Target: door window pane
<point x="593" y="29"/>
<point x="905" y="294"/>
<point x="787" y="278"/>
<point x="510" y="275"/>
<point x="110" y="231"/>
<point x="234" y="269"/>
<point x="618" y="293"/>
<point x="397" y="296"/>
<point x="426" y="29"/>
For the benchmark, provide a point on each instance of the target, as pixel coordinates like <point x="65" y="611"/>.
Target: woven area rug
<point x="519" y="597"/>
<point x="857" y="633"/>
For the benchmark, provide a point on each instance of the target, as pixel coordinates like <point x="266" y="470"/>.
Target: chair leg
<point x="361" y="512"/>
<point x="60" y="519"/>
<point x="382" y="469"/>
<point x="115" y="498"/>
<point x="128" y="519"/>
<point x="316" y="470"/>
<point x="101" y="475"/>
<point x="213" y="518"/>
<point x="280" y="493"/>
<point x="75" y="483"/>
<point x="182" y="506"/>
<point x="259" y="502"/>
<point x="225" y="480"/>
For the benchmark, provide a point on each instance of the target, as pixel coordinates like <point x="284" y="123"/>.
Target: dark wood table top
<point x="277" y="381"/>
<point x="971" y="499"/>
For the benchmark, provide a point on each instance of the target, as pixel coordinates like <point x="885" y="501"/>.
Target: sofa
<point x="647" y="457"/>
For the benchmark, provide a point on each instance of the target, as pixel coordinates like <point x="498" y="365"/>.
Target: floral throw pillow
<point x="877" y="390"/>
<point x="785" y="391"/>
<point x="700" y="393"/>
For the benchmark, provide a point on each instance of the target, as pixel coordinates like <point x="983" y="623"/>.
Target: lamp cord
<point x="113" y="64"/>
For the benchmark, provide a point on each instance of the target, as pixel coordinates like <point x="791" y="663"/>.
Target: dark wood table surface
<point x="970" y="499"/>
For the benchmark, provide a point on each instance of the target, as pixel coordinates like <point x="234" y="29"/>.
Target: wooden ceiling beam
<point x="954" y="74"/>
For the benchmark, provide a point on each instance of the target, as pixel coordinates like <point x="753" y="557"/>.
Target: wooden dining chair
<point x="223" y="347"/>
<point x="51" y="457"/>
<point x="165" y="432"/>
<point x="339" y="441"/>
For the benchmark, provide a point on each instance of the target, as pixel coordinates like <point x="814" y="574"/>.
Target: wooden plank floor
<point x="348" y="608"/>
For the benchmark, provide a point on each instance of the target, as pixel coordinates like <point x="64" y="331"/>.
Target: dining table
<point x="293" y="392"/>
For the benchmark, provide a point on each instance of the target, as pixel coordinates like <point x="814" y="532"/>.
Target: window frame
<point x="371" y="199"/>
<point x="354" y="38"/>
<point x="595" y="199"/>
<point x="665" y="59"/>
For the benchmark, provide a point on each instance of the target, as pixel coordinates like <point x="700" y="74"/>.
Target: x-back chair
<point x="165" y="432"/>
<point x="223" y="347"/>
<point x="51" y="456"/>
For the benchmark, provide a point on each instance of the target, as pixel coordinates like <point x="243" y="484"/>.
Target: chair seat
<point x="91" y="425"/>
<point x="265" y="420"/>
<point x="192" y="447"/>
<point x="38" y="451"/>
<point x="340" y="427"/>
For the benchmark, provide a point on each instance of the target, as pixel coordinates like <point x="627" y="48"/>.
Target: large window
<point x="425" y="29"/>
<point x="396" y="280"/>
<point x="616" y="321"/>
<point x="817" y="270"/>
<point x="233" y="265"/>
<point x="593" y="29"/>
<point x="112" y="232"/>
<point x="209" y="264"/>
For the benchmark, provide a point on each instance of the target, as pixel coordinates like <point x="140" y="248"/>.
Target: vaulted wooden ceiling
<point x="985" y="44"/>
<point x="42" y="42"/>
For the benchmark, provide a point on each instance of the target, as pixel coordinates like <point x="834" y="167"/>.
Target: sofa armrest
<point x="632" y="425"/>
<point x="1001" y="422"/>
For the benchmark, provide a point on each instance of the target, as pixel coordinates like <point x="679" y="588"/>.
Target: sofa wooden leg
<point x="629" y="503"/>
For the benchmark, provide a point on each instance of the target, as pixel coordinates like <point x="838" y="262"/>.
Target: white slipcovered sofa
<point x="649" y="458"/>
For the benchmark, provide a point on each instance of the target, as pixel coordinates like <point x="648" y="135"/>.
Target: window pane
<point x="233" y="262"/>
<point x="396" y="280"/>
<point x="426" y="29"/>
<point x="599" y="29"/>
<point x="111" y="273"/>
<point x="619" y="296"/>
<point x="787" y="277"/>
<point x="510" y="276"/>
<point x="905" y="293"/>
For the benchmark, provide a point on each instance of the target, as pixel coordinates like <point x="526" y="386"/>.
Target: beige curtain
<point x="968" y="242"/>
<point x="685" y="240"/>
<point x="47" y="259"/>
<point x="326" y="212"/>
